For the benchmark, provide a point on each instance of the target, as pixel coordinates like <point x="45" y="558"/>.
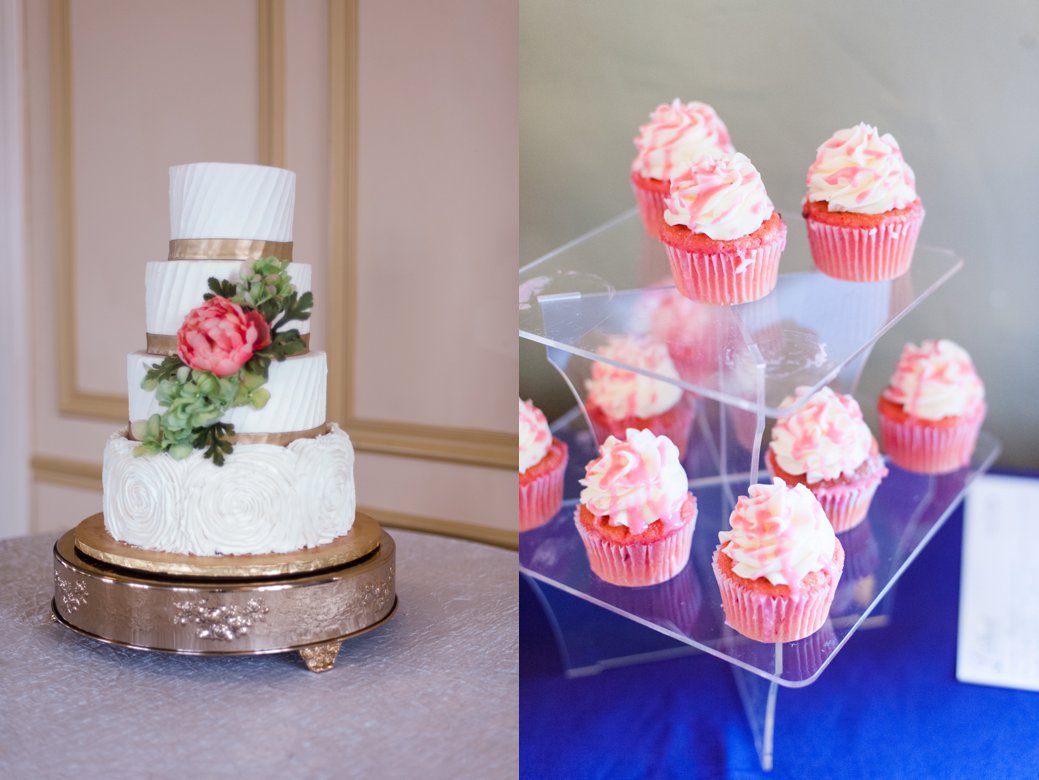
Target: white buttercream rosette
<point x="326" y="484"/>
<point x="138" y="493"/>
<point x="265" y="498"/>
<point x="244" y="508"/>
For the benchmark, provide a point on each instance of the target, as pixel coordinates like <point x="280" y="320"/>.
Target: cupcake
<point x="690" y="331"/>
<point x="862" y="211"/>
<point x="676" y="134"/>
<point x="932" y="410"/>
<point x="778" y="567"/>
<point x="542" y="461"/>
<point x="636" y="515"/>
<point x="618" y="399"/>
<point x="722" y="234"/>
<point x="827" y="447"/>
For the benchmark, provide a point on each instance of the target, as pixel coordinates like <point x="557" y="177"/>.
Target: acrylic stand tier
<point x="738" y="367"/>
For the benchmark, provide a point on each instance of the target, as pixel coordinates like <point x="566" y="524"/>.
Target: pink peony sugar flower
<point x="263" y="330"/>
<point x="220" y="337"/>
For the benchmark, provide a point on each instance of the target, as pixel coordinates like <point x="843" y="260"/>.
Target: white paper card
<point x="998" y="641"/>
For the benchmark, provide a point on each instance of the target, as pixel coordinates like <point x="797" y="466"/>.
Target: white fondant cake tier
<point x="174" y="288"/>
<point x="296" y="384"/>
<point x="229" y="200"/>
<point x="263" y="499"/>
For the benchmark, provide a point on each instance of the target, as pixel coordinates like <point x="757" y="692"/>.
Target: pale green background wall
<point x="957" y="83"/>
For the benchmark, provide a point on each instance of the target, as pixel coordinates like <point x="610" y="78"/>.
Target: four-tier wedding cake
<point x="228" y="450"/>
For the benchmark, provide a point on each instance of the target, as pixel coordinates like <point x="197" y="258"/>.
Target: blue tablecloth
<point x="889" y="705"/>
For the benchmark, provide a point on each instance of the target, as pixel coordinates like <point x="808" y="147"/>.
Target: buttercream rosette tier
<point x="862" y="211"/>
<point x="542" y="465"/>
<point x="619" y="399"/>
<point x="676" y="135"/>
<point x="827" y="446"/>
<point x="722" y="234"/>
<point x="228" y="449"/>
<point x="933" y="408"/>
<point x="779" y="565"/>
<point x="636" y="514"/>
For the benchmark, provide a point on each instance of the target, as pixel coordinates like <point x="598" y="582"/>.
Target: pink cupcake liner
<point x="865" y="254"/>
<point x="541" y="499"/>
<point x="640" y="563"/>
<point x="846" y="506"/>
<point x="930" y="449"/>
<point x="651" y="209"/>
<point x="713" y="277"/>
<point x="772" y="619"/>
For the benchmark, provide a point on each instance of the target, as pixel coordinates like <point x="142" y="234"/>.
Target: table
<point x="888" y="706"/>
<point x="432" y="693"/>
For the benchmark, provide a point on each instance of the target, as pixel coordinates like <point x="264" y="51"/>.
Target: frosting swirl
<point x="535" y="438"/>
<point x="722" y="197"/>
<point x="935" y="380"/>
<point x="621" y="393"/>
<point x="636" y="482"/>
<point x="824" y="439"/>
<point x="676" y="135"/>
<point x="861" y="171"/>
<point x="778" y="533"/>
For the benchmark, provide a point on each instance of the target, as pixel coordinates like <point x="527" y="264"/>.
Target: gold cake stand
<point x="308" y="601"/>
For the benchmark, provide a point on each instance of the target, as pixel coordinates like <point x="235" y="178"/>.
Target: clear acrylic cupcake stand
<point x="737" y="364"/>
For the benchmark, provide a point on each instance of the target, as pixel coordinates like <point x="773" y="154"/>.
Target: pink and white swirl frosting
<point x="936" y="380"/>
<point x="824" y="439"/>
<point x="721" y="197"/>
<point x="779" y="533"/>
<point x="677" y="134"/>
<point x="621" y="393"/>
<point x="636" y="482"/>
<point x="535" y="438"/>
<point x="862" y="171"/>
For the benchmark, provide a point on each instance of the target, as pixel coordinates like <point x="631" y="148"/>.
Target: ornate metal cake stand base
<point x="311" y="612"/>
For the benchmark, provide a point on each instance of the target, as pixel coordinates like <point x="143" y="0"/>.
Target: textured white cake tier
<point x="229" y="200"/>
<point x="297" y="402"/>
<point x="263" y="499"/>
<point x="174" y="288"/>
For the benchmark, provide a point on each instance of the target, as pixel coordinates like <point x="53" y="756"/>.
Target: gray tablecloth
<point x="433" y="693"/>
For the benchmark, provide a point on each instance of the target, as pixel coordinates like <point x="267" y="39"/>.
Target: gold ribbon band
<point x="280" y="439"/>
<point x="228" y="249"/>
<point x="162" y="344"/>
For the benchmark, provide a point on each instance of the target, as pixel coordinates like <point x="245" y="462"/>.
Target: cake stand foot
<point x="321" y="658"/>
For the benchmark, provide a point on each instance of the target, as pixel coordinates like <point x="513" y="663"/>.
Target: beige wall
<point x="406" y="207"/>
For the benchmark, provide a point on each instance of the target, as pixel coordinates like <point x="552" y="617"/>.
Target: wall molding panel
<point x="271" y="56"/>
<point x="476" y="447"/>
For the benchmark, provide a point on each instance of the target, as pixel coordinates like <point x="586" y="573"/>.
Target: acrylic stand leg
<point x="759" y="703"/>
<point x="321" y="658"/>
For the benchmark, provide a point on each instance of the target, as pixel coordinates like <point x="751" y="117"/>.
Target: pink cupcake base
<point x="676" y="423"/>
<point x="651" y="209"/>
<point x="727" y="278"/>
<point x="769" y="618"/>
<point x="930" y="449"/>
<point x="636" y="563"/>
<point x="865" y="254"/>
<point x="846" y="506"/>
<point x="541" y="498"/>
